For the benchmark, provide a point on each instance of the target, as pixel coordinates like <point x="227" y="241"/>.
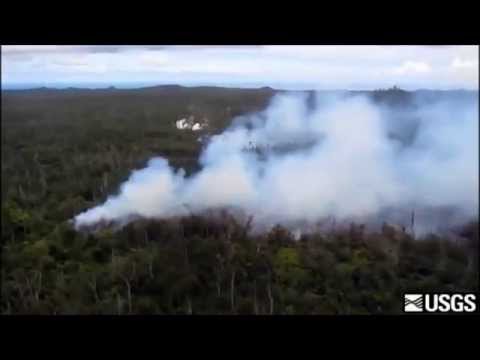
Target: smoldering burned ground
<point x="295" y="251"/>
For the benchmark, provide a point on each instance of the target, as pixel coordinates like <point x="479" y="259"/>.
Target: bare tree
<point x="232" y="290"/>
<point x="255" y="304"/>
<point x="270" y="296"/>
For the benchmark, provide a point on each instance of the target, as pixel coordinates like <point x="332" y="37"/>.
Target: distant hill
<point x="390" y="92"/>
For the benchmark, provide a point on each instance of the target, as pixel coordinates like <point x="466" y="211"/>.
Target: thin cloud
<point x="415" y="67"/>
<point x="44" y="49"/>
<point x="313" y="67"/>
<point x="460" y="63"/>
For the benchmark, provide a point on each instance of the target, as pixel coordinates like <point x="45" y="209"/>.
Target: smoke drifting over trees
<point x="319" y="156"/>
<point x="67" y="151"/>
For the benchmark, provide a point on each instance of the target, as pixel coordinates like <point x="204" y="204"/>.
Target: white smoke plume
<point x="301" y="161"/>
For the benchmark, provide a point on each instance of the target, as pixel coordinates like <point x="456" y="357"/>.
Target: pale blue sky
<point x="320" y="67"/>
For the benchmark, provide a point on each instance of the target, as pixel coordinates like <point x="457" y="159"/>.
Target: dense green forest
<point x="64" y="151"/>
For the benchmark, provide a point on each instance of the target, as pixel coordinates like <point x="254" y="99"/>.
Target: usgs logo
<point x="440" y="303"/>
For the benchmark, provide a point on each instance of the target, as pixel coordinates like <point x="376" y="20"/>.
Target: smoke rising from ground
<point x="305" y="159"/>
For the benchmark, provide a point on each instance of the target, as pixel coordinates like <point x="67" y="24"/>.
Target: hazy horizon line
<point x="141" y="85"/>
